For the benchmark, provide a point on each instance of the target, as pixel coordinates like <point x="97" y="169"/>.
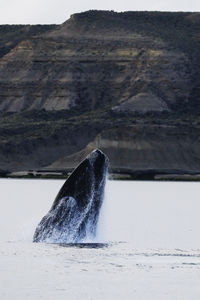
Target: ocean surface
<point x="147" y="246"/>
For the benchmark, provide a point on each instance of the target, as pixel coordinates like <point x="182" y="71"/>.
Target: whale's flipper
<point x="75" y="211"/>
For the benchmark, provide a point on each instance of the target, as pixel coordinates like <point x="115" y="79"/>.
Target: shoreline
<point x="131" y="176"/>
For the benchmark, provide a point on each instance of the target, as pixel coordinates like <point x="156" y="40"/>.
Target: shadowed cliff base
<point x="125" y="82"/>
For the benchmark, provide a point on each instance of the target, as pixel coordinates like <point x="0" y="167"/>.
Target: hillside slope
<point x="131" y="77"/>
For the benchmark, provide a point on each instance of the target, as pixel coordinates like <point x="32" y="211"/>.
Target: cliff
<point x="128" y="83"/>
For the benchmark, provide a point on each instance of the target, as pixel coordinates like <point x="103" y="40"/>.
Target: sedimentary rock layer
<point x="128" y="80"/>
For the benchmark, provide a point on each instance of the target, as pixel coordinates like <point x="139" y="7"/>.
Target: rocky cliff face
<point x="134" y="148"/>
<point x="129" y="79"/>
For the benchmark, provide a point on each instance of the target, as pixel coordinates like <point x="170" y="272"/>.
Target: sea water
<point x="147" y="245"/>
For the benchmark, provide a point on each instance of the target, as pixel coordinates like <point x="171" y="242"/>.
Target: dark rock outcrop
<point x="142" y="147"/>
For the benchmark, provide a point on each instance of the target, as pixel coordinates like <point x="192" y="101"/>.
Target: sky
<point x="58" y="11"/>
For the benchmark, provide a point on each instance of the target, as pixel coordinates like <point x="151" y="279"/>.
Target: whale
<point x="74" y="215"/>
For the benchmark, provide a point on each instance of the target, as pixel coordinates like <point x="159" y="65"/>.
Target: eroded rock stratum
<point x="127" y="81"/>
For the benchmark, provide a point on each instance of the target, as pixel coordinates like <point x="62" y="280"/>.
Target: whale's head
<point x="87" y="179"/>
<point x="75" y="211"/>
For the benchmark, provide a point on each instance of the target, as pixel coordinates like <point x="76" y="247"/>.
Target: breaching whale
<point x="74" y="214"/>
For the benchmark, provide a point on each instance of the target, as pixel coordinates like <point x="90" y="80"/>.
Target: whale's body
<point x="74" y="214"/>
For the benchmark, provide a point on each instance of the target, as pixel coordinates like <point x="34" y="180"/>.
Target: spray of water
<point x="101" y="226"/>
